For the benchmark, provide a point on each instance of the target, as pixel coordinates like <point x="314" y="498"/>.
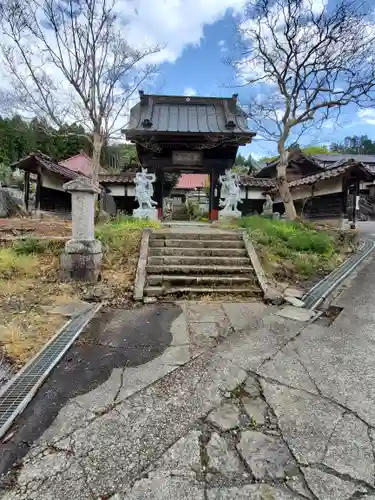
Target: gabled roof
<point x="296" y="157"/>
<point x="187" y="115"/>
<point x="334" y="158"/>
<point x="250" y="181"/>
<point x="80" y="163"/>
<point x="192" y="181"/>
<point x="35" y="161"/>
<point x="120" y="178"/>
<point x="337" y="170"/>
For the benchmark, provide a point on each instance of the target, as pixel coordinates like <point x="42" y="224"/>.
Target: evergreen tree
<point x="355" y="145"/>
<point x="18" y="138"/>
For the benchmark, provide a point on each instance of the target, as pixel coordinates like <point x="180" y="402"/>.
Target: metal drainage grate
<point x="322" y="289"/>
<point x="19" y="391"/>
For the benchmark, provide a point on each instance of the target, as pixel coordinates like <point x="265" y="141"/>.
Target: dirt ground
<point x="45" y="227"/>
<point x="25" y="325"/>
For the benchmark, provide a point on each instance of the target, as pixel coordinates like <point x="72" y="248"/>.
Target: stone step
<point x="193" y="269"/>
<point x="189" y="279"/>
<point x="198" y="261"/>
<point x="159" y="243"/>
<point x="159" y="291"/>
<point x="194" y="235"/>
<point x="203" y="252"/>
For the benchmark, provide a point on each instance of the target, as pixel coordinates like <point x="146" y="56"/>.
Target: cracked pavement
<point x="235" y="403"/>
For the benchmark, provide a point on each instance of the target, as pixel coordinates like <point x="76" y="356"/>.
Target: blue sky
<point x="195" y="65"/>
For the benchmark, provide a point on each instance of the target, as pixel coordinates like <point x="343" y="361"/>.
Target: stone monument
<point x="83" y="253"/>
<point x="268" y="209"/>
<point x="144" y="191"/>
<point x="230" y="195"/>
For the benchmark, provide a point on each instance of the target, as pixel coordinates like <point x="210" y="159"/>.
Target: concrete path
<point x="235" y="402"/>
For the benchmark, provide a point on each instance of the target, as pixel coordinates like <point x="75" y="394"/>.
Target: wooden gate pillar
<point x="213" y="200"/>
<point x="160" y="174"/>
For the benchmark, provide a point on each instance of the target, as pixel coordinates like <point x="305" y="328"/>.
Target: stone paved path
<point x="243" y="404"/>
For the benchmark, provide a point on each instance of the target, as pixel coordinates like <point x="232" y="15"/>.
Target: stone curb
<point x="270" y="294"/>
<point x="18" y="408"/>
<point x="140" y="277"/>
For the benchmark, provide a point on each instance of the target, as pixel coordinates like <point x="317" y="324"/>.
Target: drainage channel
<point x="321" y="290"/>
<point x="19" y="391"/>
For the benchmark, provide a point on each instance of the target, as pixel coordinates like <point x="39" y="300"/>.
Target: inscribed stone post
<point x="83" y="253"/>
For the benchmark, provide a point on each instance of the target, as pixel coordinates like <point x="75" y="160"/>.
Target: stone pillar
<point x="83" y="253"/>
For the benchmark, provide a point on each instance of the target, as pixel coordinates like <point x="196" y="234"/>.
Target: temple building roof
<point x="188" y="115"/>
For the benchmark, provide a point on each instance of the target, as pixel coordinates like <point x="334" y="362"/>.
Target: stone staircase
<point x="180" y="212"/>
<point x="198" y="262"/>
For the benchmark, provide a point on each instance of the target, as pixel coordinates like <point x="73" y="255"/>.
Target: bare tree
<point x="305" y="61"/>
<point x="69" y="60"/>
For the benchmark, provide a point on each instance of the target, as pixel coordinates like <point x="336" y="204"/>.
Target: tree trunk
<point x="97" y="149"/>
<point x="282" y="184"/>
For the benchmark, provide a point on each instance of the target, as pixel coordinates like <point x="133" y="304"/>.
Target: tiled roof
<point x="181" y="114"/>
<point x="336" y="170"/>
<point x="33" y="161"/>
<point x="306" y="162"/>
<point x="250" y="181"/>
<point x="192" y="181"/>
<point x="120" y="178"/>
<point x="328" y="158"/>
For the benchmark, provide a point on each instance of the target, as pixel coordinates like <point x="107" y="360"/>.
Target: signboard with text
<point x="187" y="157"/>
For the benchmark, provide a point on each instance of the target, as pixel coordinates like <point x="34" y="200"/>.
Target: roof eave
<point x="241" y="138"/>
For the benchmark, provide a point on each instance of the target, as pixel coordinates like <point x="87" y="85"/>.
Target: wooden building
<point x="47" y="178"/>
<point x="321" y="196"/>
<point x="328" y="160"/>
<point x="44" y="180"/>
<point x="188" y="135"/>
<point x="299" y="165"/>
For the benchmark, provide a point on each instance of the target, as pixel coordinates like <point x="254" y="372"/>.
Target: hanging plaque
<point x="187" y="157"/>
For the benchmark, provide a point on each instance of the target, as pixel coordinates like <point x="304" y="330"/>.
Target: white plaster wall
<point x="116" y="189"/>
<point x="53" y="181"/>
<point x="328" y="186"/>
<point x="253" y="194"/>
<point x="121" y="189"/>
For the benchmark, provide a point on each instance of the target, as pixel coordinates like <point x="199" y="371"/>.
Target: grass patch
<point x="13" y="265"/>
<point x="29" y="280"/>
<point x="293" y="250"/>
<point x="114" y="234"/>
<point x="121" y="240"/>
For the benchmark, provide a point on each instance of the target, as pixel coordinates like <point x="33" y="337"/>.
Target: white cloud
<point x="173" y="23"/>
<point x="254" y="66"/>
<point x="329" y="123"/>
<point x="367" y="115"/>
<point x="222" y="46"/>
<point x="316" y="6"/>
<point x="190" y="91"/>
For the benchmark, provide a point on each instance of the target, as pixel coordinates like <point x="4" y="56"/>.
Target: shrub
<point x="29" y="246"/>
<point x="293" y="244"/>
<point x="310" y="241"/>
